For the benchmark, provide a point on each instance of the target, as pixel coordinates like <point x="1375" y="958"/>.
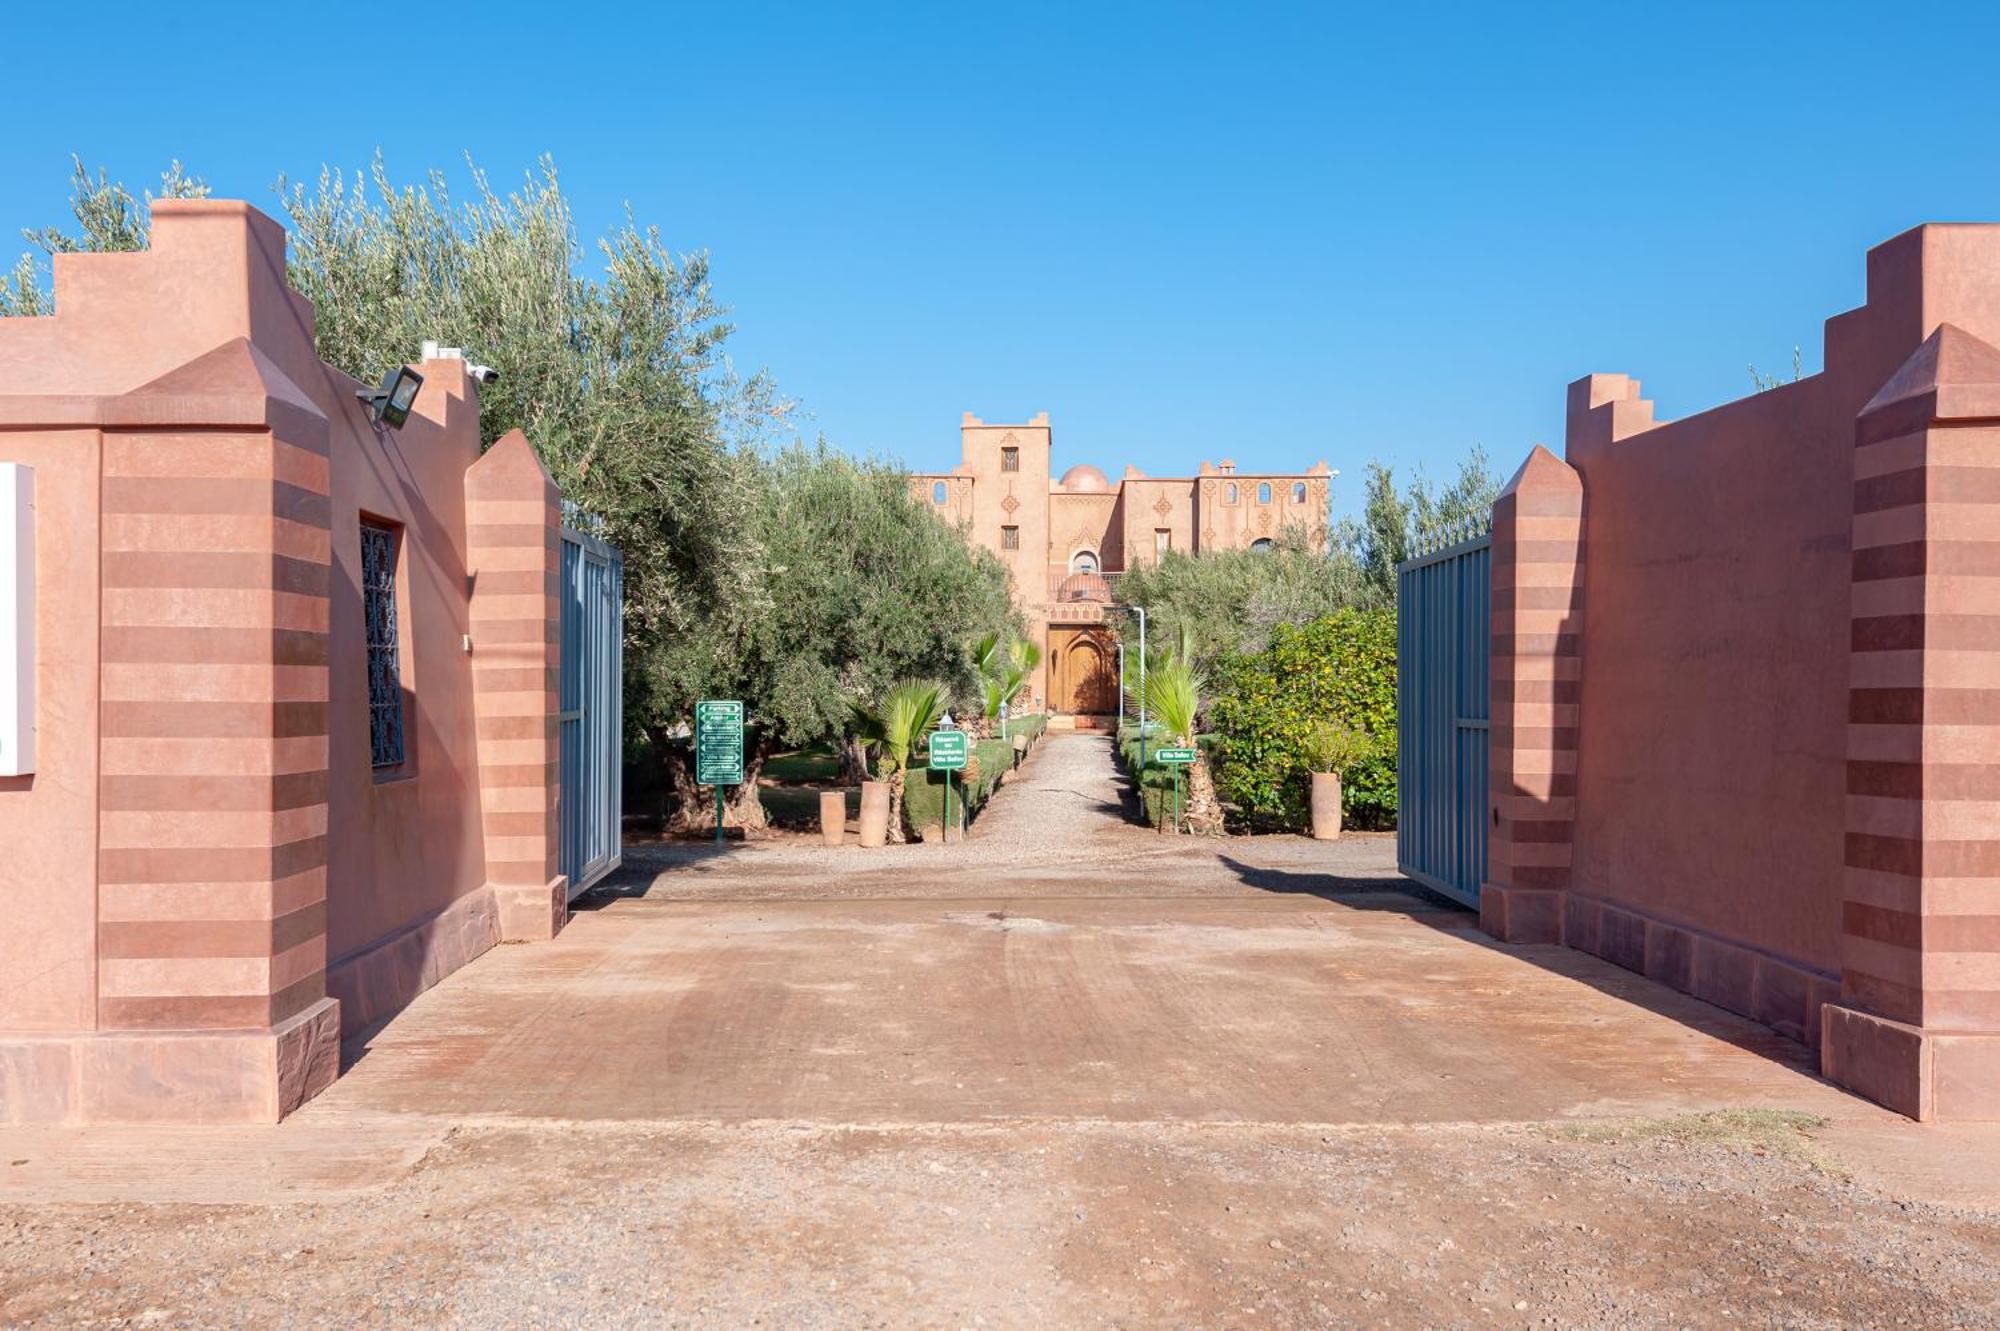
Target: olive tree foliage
<point x="1395" y="523"/>
<point x="867" y="586"/>
<point x="863" y="587"/>
<point x="1226" y="601"/>
<point x="109" y="220"/>
<point x="610" y="360"/>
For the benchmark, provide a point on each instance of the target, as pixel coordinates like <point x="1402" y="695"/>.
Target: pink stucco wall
<point x="1762" y="769"/>
<point x="207" y="880"/>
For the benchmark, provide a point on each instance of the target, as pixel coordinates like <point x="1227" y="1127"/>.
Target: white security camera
<point x="484" y="374"/>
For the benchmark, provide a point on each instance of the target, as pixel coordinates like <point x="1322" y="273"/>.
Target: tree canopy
<point x="756" y="567"/>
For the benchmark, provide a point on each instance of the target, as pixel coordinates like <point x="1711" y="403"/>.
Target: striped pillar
<point x="213" y="741"/>
<point x="513" y="516"/>
<point x="1536" y="675"/>
<point x="1917" y="1026"/>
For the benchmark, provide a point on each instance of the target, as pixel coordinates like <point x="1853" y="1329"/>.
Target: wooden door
<point x="1086" y="673"/>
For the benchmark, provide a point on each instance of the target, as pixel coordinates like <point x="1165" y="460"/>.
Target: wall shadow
<point x="1399" y="895"/>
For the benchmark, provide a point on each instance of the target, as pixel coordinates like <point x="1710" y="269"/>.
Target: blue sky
<point x="1277" y="233"/>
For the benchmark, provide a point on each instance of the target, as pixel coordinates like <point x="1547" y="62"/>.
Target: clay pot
<point x="1326" y="806"/>
<point x="874" y="813"/>
<point x="833" y="816"/>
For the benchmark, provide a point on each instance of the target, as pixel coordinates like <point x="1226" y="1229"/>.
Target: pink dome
<point x="1085" y="479"/>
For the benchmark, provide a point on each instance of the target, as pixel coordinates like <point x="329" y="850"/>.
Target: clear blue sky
<point x="1277" y="233"/>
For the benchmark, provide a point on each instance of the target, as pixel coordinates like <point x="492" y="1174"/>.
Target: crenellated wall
<point x="208" y="881"/>
<point x="1782" y="619"/>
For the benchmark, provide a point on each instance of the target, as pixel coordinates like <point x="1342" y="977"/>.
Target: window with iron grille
<point x="1010" y="459"/>
<point x="385" y="678"/>
<point x="1010" y="538"/>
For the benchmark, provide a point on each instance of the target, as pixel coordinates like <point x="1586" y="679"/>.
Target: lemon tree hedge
<point x="1340" y="668"/>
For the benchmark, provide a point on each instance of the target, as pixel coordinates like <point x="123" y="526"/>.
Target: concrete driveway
<point x="1068" y="1072"/>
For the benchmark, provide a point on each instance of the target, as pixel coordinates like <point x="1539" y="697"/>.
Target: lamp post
<point x="1140" y="611"/>
<point x="1121" y="687"/>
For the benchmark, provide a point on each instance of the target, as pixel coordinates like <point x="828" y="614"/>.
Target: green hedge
<point x="923" y="789"/>
<point x="1156" y="784"/>
<point x="1341" y="668"/>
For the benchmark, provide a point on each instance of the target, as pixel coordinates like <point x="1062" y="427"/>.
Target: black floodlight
<point x="390" y="404"/>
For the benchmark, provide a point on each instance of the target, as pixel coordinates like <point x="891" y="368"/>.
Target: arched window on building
<point x="1263" y="543"/>
<point x="1229" y="493"/>
<point x="1263" y="492"/>
<point x="1083" y="561"/>
<point x="1298" y="492"/>
<point x="937" y="492"/>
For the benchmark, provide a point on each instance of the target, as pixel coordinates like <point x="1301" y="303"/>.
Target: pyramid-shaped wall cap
<point x="1949" y="358"/>
<point x="1543" y="471"/>
<point x="510" y="469"/>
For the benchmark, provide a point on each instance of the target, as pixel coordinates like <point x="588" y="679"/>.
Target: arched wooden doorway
<point x="1083" y="676"/>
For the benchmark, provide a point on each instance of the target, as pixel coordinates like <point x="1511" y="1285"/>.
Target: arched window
<point x="937" y="492"/>
<point x="1083" y="561"/>
<point x="1263" y="544"/>
<point x="1263" y="492"/>
<point x="1229" y="493"/>
<point x="1298" y="492"/>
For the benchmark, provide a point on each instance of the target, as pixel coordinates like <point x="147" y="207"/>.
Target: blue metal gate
<point x="1444" y="602"/>
<point x="591" y="716"/>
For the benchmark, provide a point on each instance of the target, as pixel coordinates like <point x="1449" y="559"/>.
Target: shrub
<point x="923" y="789"/>
<point x="1339" y="671"/>
<point x="1154" y="783"/>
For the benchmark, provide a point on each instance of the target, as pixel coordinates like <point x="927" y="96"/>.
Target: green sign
<point x="718" y="742"/>
<point x="947" y="750"/>
<point x="1173" y="757"/>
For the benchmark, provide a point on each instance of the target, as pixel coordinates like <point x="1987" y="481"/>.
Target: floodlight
<point x="390" y="404"/>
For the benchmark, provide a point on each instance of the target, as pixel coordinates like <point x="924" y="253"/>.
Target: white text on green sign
<point x="947" y="750"/>
<point x="1173" y="757"/>
<point x="718" y="742"/>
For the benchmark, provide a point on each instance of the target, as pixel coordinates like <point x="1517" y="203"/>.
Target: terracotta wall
<point x="208" y="880"/>
<point x="1765" y="634"/>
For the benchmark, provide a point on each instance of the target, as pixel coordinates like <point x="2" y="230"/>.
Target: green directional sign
<point x="947" y="750"/>
<point x="1173" y="757"/>
<point x="718" y="742"/>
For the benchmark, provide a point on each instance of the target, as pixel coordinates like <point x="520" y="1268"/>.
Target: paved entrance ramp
<point x="1060" y="964"/>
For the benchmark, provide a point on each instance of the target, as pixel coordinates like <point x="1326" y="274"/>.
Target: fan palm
<point x="905" y="715"/>
<point x="1005" y="666"/>
<point x="1173" y="696"/>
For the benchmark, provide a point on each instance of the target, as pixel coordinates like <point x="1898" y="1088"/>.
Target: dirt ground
<point x="1067" y="1073"/>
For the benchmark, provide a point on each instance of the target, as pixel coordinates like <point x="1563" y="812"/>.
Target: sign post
<point x="718" y="749"/>
<point x="947" y="750"/>
<point x="1175" y="759"/>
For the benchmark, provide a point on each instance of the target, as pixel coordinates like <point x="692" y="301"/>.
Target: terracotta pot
<point x="833" y="816"/>
<point x="874" y="813"/>
<point x="1326" y="806"/>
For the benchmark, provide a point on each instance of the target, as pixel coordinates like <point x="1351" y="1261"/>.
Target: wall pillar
<point x="1917" y="1024"/>
<point x="1536" y="675"/>
<point x="513" y="516"/>
<point x="211" y="893"/>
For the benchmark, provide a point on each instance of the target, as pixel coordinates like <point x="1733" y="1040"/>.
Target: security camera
<point x="485" y="374"/>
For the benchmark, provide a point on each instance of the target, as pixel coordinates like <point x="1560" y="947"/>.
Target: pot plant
<point x="890" y="731"/>
<point x="1329" y="749"/>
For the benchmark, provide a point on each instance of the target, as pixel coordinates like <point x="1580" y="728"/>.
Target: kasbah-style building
<point x="1067" y="540"/>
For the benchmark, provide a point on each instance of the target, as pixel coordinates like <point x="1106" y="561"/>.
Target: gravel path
<point x="1062" y="825"/>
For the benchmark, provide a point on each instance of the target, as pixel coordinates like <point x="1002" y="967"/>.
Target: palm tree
<point x="1173" y="695"/>
<point x="989" y="665"/>
<point x="905" y="715"/>
<point x="1005" y="666"/>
